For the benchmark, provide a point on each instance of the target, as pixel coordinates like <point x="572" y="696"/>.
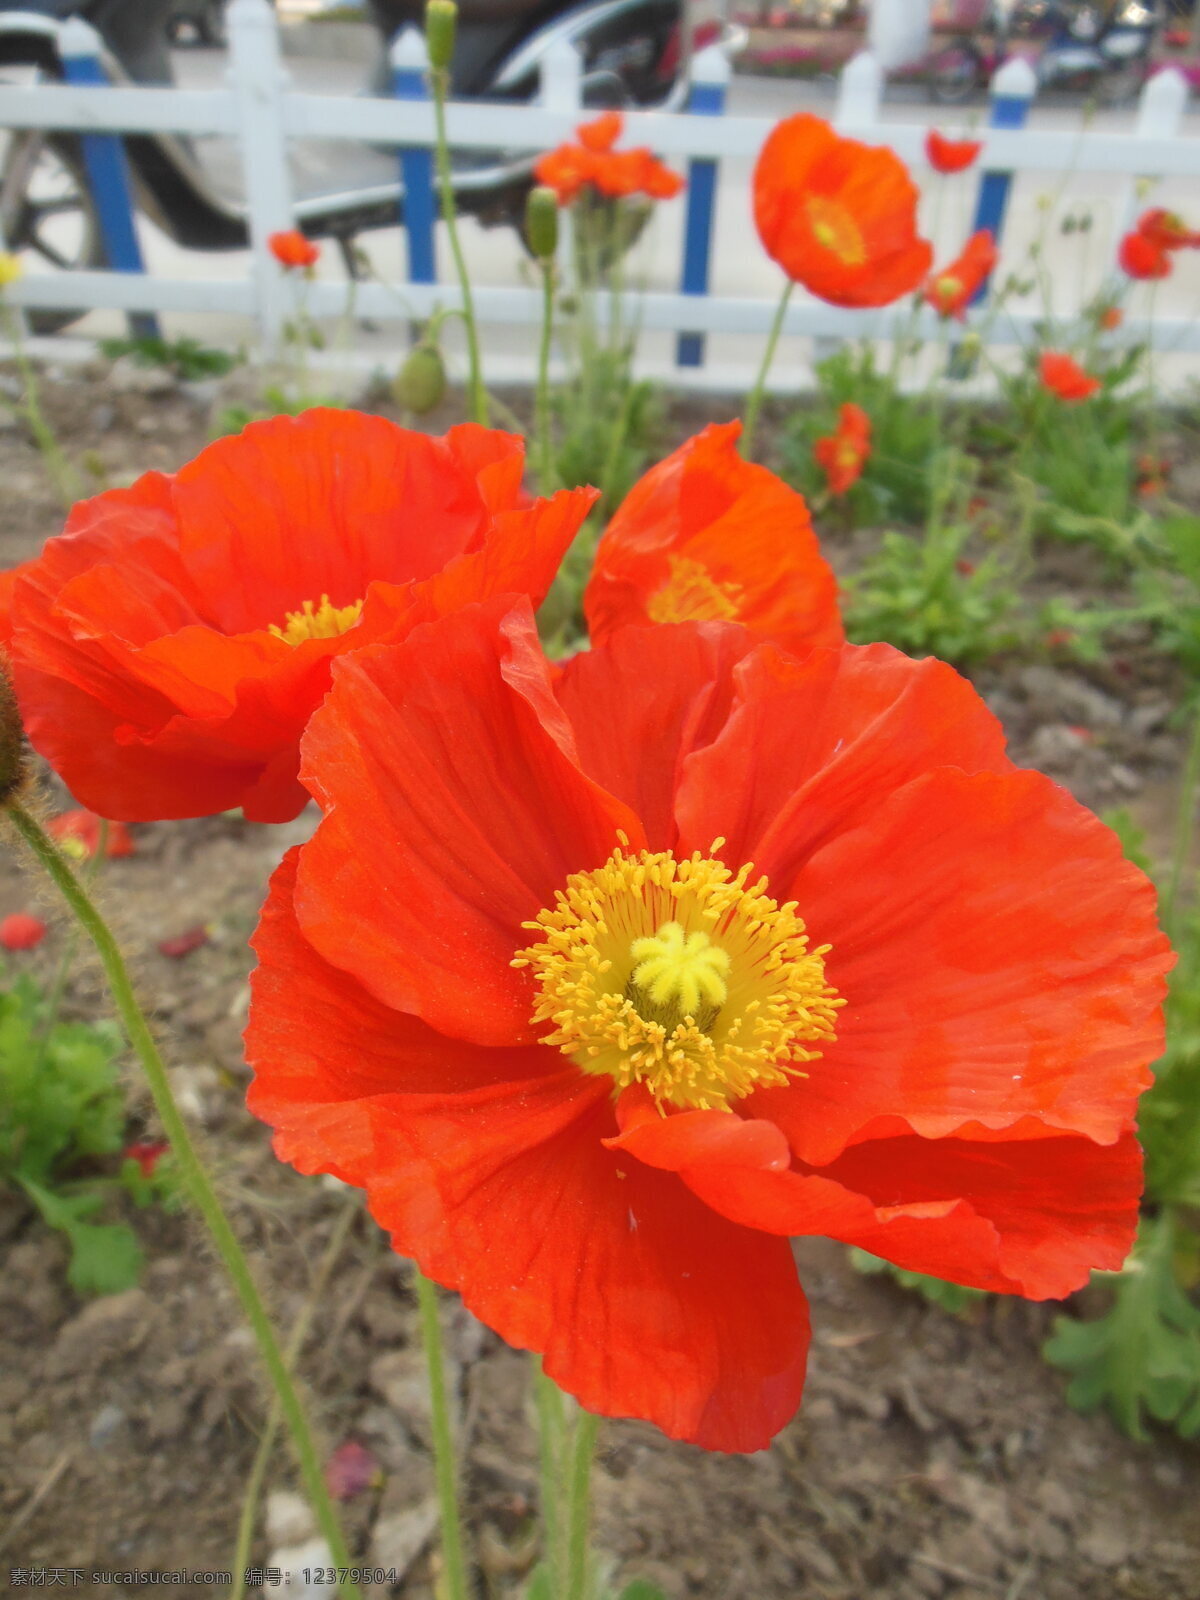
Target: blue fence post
<point x="410" y="81"/>
<point x="710" y="81"/>
<point x="1012" y="90"/>
<point x="107" y="169"/>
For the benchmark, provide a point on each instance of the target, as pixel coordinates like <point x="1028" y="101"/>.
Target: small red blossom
<point x="1111" y="318"/>
<point x="841" y="455"/>
<point x="184" y="943"/>
<point x="351" y="1470"/>
<point x="601" y="133"/>
<point x="592" y="161"/>
<point x="950" y="155"/>
<point x="1167" y="230"/>
<point x="292" y="250"/>
<point x="951" y="290"/>
<point x="1063" y="376"/>
<point x="21" y="931"/>
<point x="147" y="1154"/>
<point x="707" y="536"/>
<point x="78" y="834"/>
<point x="1142" y="258"/>
<point x="963" y="567"/>
<point x="606" y="981"/>
<point x="1058" y="637"/>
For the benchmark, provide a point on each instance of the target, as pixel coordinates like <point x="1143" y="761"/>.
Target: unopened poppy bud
<point x="441" y="23"/>
<point x="970" y="345"/>
<point x="12" y="738"/>
<point x="421" y="381"/>
<point x="541" y="222"/>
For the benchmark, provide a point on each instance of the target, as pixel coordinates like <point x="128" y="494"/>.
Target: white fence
<point x="260" y="109"/>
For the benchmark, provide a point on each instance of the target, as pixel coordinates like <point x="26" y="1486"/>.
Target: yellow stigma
<point x="323" y="621"/>
<point x="681" y="975"/>
<point x="692" y="594"/>
<point x="835" y="229"/>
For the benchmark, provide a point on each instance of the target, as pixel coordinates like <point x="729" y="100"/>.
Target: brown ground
<point x="933" y="1456"/>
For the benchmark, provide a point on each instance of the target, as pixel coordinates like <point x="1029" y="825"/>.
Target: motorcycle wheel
<point x="955" y="75"/>
<point x="47" y="215"/>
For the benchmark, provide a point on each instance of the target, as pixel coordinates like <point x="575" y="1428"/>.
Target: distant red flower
<point x="1140" y="257"/>
<point x="170" y="647"/>
<point x="1167" y="230"/>
<point x="838" y="216"/>
<point x="1063" y="376"/>
<point x="1111" y="318"/>
<point x="184" y="943"/>
<point x="950" y="155"/>
<point x="292" y="250"/>
<point x="606" y="981"/>
<point x="1058" y="637"/>
<point x="350" y="1470"/>
<point x="842" y="454"/>
<point x="147" y="1154"/>
<point x="951" y="290"/>
<point x="20" y="931"/>
<point x="78" y="834"/>
<point x="593" y="161"/>
<point x="707" y="536"/>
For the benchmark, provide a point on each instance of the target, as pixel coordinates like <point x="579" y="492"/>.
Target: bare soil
<point x="934" y="1456"/>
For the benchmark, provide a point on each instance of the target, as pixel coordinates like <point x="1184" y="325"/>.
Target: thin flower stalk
<point x="457" y="1585"/>
<point x="195" y="1177"/>
<point x="439" y="80"/>
<point x="579" y="1507"/>
<point x="755" y="399"/>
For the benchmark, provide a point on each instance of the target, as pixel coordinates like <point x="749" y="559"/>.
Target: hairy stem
<point x="456" y="1585"/>
<point x="579" y="1506"/>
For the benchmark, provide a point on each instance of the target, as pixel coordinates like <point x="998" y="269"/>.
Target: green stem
<point x="542" y="423"/>
<point x="457" y="1587"/>
<point x="476" y="390"/>
<point x="579" y="1506"/>
<point x="551" y="1435"/>
<point x="60" y="470"/>
<point x="1185" y="825"/>
<point x="266" y="1445"/>
<point x="755" y="400"/>
<point x="195" y="1176"/>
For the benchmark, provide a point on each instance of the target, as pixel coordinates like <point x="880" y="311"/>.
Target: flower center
<point x="322" y="621"/>
<point x="835" y="229"/>
<point x="681" y="975"/>
<point x="692" y="594"/>
<point x="948" y="288"/>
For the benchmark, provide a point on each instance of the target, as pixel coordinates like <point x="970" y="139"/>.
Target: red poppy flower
<point x="1063" y="376"/>
<point x="951" y="290"/>
<point x="950" y="155"/>
<point x="292" y="250"/>
<point x="1167" y="230"/>
<point x="78" y="833"/>
<point x="147" y="1154"/>
<point x="602" y="132"/>
<point x="1140" y="257"/>
<point x="565" y="170"/>
<point x="707" y="536"/>
<point x="169" y="648"/>
<point x="593" y="161"/>
<point x="20" y="931"/>
<point x="838" y="216"/>
<point x="1111" y="318"/>
<point x="679" y="951"/>
<point x="843" y="454"/>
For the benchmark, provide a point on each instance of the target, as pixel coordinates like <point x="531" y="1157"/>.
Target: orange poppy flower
<point x="1062" y="375"/>
<point x="707" y="536"/>
<point x="169" y="648"/>
<point x="950" y="155"/>
<point x="685" y="949"/>
<point x="292" y="250"/>
<point x="593" y="161"/>
<point x="1142" y="257"/>
<point x="838" y="216"/>
<point x="951" y="290"/>
<point x="1167" y="230"/>
<point x="841" y="455"/>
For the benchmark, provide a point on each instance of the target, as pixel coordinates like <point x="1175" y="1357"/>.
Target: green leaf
<point x="105" y="1257"/>
<point x="954" y="1297"/>
<point x="639" y="1589"/>
<point x="1141" y="1359"/>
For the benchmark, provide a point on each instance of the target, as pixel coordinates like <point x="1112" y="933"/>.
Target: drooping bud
<point x="441" y="24"/>
<point x="421" y="381"/>
<point x="12" y="738"/>
<point x="541" y="222"/>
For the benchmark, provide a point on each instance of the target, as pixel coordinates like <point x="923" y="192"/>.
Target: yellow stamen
<point x="323" y="621"/>
<point x="835" y="229"/>
<point x="692" y="594"/>
<point x="681" y="975"/>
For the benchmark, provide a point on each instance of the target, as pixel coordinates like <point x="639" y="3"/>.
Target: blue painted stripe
<point x="112" y="193"/>
<point x="706" y="100"/>
<point x="1008" y="111"/>
<point x="420" y="200"/>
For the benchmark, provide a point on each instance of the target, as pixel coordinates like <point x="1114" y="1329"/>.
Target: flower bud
<point x="421" y="381"/>
<point x="441" y="22"/>
<point x="12" y="738"/>
<point x="541" y="222"/>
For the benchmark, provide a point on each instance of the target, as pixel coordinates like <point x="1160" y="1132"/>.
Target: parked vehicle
<point x="636" y="53"/>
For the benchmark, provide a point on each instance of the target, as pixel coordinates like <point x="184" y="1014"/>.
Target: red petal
<point x="695" y="1138"/>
